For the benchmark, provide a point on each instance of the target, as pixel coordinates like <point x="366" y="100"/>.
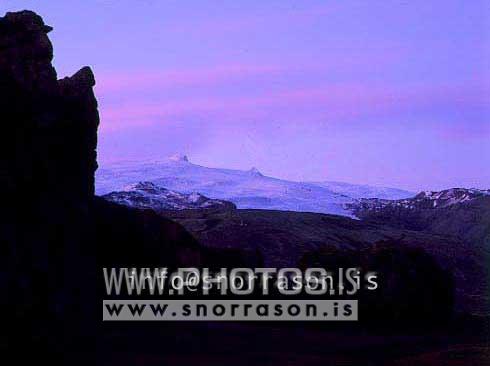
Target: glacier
<point x="247" y="189"/>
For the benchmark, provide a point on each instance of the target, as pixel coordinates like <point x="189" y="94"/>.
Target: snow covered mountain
<point x="450" y="197"/>
<point x="149" y="195"/>
<point x="422" y="201"/>
<point x="458" y="212"/>
<point x="246" y="189"/>
<point x="365" y="191"/>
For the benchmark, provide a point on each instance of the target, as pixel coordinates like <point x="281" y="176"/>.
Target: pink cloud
<point x="225" y="74"/>
<point x="144" y="80"/>
<point x="336" y="102"/>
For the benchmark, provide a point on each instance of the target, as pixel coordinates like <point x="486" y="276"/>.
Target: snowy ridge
<point x="149" y="195"/>
<point x="246" y="189"/>
<point x="451" y="196"/>
<point x="423" y="200"/>
<point x="365" y="191"/>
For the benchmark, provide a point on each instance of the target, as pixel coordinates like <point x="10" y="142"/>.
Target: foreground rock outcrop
<point x="55" y="235"/>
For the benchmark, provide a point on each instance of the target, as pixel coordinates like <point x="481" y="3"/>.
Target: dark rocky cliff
<point x="55" y="234"/>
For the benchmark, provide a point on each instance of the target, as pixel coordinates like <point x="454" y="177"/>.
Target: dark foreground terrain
<point x="56" y="236"/>
<point x="283" y="239"/>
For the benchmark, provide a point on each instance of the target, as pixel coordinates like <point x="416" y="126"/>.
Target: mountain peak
<point x="426" y="200"/>
<point x="452" y="195"/>
<point x="142" y="186"/>
<point x="148" y="195"/>
<point x="255" y="171"/>
<point x="179" y="157"/>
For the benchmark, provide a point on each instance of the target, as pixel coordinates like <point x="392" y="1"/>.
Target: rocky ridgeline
<point x="147" y="195"/>
<point x="458" y="212"/>
<point x="422" y="201"/>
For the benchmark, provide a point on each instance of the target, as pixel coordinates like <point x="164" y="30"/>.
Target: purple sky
<point x="379" y="92"/>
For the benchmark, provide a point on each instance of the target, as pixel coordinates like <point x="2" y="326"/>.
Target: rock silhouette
<point x="55" y="234"/>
